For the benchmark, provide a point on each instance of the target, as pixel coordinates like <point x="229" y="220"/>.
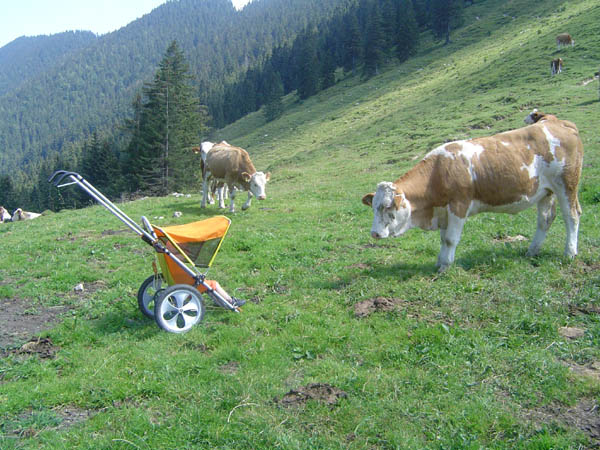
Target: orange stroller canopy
<point x="196" y="242"/>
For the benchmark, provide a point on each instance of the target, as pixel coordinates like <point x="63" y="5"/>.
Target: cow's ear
<point x="368" y="199"/>
<point x="268" y="176"/>
<point x="246" y="177"/>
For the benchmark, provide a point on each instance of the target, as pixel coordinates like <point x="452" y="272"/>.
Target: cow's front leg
<point x="247" y="204"/>
<point x="232" y="192"/>
<point x="546" y="213"/>
<point x="450" y="238"/>
<point x="204" y="191"/>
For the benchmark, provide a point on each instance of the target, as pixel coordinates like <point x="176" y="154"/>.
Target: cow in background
<point x="564" y="39"/>
<point x="19" y="214"/>
<point x="507" y="172"/>
<point x="556" y="66"/>
<point x="232" y="165"/>
<point x="4" y="215"/>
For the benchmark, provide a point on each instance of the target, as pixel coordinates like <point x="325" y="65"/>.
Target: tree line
<point x="151" y="152"/>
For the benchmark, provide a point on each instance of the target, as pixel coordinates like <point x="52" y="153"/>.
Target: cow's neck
<point x="417" y="187"/>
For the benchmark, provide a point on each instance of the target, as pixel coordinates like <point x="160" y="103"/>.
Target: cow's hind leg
<point x="546" y="213"/>
<point x="450" y="238"/>
<point x="571" y="211"/>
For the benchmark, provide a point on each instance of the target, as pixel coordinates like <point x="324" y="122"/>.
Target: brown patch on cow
<point x="321" y="392"/>
<point x="584" y="416"/>
<point x="367" y="307"/>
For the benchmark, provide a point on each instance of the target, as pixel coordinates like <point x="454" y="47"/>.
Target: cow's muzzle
<point x="262" y="197"/>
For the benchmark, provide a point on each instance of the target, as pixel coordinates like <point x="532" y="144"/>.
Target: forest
<point x="124" y="112"/>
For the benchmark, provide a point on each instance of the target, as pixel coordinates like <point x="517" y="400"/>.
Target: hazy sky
<point x="34" y="17"/>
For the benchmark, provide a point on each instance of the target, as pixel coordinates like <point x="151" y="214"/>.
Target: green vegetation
<point x="473" y="358"/>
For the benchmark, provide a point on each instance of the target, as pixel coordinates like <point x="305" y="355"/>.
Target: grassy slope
<point x="471" y="358"/>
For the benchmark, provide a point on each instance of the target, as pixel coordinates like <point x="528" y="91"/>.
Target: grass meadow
<point x="500" y="351"/>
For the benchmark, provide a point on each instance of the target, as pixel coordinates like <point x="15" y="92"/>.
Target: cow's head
<point x="258" y="183"/>
<point x="533" y="117"/>
<point x="18" y="215"/>
<point x="391" y="211"/>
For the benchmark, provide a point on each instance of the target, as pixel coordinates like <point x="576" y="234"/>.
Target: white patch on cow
<point x="534" y="168"/>
<point x="506" y="144"/>
<point x="440" y="151"/>
<point x="468" y="151"/>
<point x="553" y="142"/>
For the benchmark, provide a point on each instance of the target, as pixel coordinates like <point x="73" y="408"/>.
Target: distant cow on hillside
<point x="4" y="215"/>
<point x="556" y="66"/>
<point x="564" y="39"/>
<point x="19" y="214"/>
<point x="507" y="172"/>
<point x="233" y="166"/>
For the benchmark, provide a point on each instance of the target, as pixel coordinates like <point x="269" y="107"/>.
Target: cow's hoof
<point x="442" y="267"/>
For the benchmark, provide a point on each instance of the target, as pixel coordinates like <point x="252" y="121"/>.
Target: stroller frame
<point x="148" y="235"/>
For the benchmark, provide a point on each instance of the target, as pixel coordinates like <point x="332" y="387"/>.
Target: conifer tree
<point x="352" y="43"/>
<point x="308" y="65"/>
<point x="407" y="30"/>
<point x="445" y="15"/>
<point x="170" y="123"/>
<point x="374" y="44"/>
<point x="274" y="105"/>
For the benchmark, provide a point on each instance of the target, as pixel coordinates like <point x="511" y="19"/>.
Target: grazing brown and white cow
<point x="4" y="215"/>
<point x="507" y="172"/>
<point x="556" y="66"/>
<point x="233" y="166"/>
<point x="564" y="39"/>
<point x="19" y="214"/>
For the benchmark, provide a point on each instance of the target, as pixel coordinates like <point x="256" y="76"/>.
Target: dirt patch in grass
<point x="584" y="416"/>
<point x="230" y="368"/>
<point x="321" y="392"/>
<point x="42" y="347"/>
<point x="20" y="320"/>
<point x="29" y="424"/>
<point x="367" y="307"/>
<point x="589" y="370"/>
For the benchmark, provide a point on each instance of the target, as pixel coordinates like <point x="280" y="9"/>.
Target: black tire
<point x="147" y="294"/>
<point x="178" y="308"/>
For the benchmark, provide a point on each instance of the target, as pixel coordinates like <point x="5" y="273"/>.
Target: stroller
<point x="173" y="295"/>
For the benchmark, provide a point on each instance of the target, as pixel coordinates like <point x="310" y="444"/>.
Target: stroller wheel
<point x="147" y="294"/>
<point x="178" y="308"/>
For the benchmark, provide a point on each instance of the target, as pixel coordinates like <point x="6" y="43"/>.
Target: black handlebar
<point x="61" y="175"/>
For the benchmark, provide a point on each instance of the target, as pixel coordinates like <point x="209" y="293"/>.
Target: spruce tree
<point x="171" y="121"/>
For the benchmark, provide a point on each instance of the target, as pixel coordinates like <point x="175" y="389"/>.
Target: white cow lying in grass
<point x="506" y="172"/>
<point x="19" y="214"/>
<point x="4" y="215"/>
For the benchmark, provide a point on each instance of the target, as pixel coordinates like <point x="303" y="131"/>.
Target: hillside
<point x="346" y="342"/>
<point x="92" y="89"/>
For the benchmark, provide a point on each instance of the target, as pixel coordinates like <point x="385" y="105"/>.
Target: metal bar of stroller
<point x="58" y="176"/>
